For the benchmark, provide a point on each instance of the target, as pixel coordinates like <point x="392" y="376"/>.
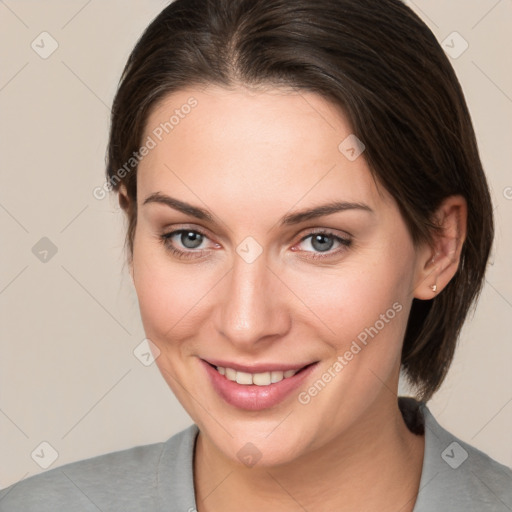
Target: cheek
<point x="365" y="299"/>
<point x="169" y="293"/>
<point x="361" y="312"/>
<point x="356" y="297"/>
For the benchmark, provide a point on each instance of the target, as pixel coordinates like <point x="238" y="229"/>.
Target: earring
<point x="434" y="288"/>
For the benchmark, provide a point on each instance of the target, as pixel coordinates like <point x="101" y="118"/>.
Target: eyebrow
<point x="287" y="220"/>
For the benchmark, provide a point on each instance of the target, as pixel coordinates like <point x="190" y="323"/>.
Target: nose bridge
<point x="253" y="305"/>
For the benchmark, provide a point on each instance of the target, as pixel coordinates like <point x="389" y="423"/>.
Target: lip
<point x="256" y="368"/>
<point x="253" y="397"/>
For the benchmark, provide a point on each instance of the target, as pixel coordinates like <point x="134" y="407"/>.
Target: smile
<point x="259" y="389"/>
<point x="258" y="379"/>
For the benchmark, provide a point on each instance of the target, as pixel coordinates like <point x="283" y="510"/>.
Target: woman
<point x="307" y="217"/>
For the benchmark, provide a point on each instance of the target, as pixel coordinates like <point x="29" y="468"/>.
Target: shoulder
<point x="457" y="476"/>
<point x="123" y="480"/>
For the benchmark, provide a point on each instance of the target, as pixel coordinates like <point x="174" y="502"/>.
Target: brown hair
<point x="383" y="66"/>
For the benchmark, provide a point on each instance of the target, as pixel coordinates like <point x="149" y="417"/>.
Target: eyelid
<point x="171" y="228"/>
<point x="327" y="231"/>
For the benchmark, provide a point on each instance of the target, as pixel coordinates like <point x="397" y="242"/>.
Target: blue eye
<point x="323" y="242"/>
<point x="189" y="239"/>
<point x="185" y="244"/>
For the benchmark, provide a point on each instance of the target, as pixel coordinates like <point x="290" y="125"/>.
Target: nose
<point x="253" y="307"/>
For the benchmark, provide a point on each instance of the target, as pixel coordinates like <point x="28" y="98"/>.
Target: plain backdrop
<point x="69" y="315"/>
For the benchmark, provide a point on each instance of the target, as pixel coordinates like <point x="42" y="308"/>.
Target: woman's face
<point x="233" y="272"/>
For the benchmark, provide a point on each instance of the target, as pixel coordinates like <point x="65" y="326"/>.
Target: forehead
<point x="267" y="145"/>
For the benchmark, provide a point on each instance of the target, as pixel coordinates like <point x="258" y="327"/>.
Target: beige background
<point x="68" y="375"/>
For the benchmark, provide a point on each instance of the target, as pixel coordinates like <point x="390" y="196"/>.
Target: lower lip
<point x="252" y="397"/>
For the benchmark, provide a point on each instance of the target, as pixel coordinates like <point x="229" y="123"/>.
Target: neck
<point x="376" y="465"/>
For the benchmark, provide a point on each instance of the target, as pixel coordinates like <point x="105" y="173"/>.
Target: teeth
<point x="259" y="379"/>
<point x="276" y="376"/>
<point x="230" y="374"/>
<point x="262" y="379"/>
<point x="243" y="378"/>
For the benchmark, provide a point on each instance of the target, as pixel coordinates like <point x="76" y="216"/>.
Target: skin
<point x="250" y="157"/>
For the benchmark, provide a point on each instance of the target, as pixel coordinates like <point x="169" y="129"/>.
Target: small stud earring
<point x="434" y="288"/>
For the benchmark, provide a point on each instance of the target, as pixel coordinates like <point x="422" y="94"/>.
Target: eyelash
<point x="165" y="239"/>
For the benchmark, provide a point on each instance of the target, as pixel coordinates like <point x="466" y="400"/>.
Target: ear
<point x="124" y="203"/>
<point x="438" y="262"/>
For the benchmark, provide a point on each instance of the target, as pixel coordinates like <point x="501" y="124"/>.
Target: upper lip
<point x="257" y="367"/>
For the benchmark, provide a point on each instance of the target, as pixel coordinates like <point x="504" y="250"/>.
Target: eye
<point x="322" y="242"/>
<point x="189" y="239"/>
<point x="185" y="243"/>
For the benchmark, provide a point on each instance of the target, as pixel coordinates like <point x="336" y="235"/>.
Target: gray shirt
<point x="159" y="477"/>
